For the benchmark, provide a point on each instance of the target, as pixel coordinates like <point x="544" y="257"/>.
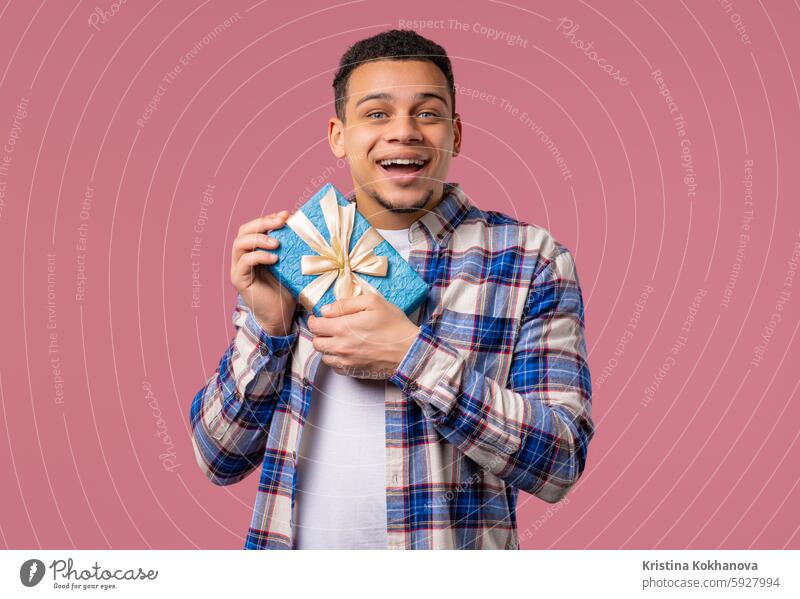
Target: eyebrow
<point x="390" y="97"/>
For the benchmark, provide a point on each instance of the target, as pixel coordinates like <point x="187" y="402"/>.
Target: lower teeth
<point x="405" y="168"/>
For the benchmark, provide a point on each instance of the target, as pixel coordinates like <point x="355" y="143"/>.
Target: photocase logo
<point x="31" y="572"/>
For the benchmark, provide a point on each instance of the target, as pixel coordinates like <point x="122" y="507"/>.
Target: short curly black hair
<point x="394" y="44"/>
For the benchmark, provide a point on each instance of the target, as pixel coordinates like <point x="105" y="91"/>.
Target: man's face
<point x="397" y="109"/>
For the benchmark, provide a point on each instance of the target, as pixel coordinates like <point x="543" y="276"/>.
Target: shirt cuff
<point x="260" y="359"/>
<point x="427" y="373"/>
<point x="268" y="345"/>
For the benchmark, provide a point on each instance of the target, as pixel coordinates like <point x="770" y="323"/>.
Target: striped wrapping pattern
<point x="493" y="396"/>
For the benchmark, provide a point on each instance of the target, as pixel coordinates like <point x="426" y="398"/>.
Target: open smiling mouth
<point x="402" y="169"/>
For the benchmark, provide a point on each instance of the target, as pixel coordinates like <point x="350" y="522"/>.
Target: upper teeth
<point x="401" y="161"/>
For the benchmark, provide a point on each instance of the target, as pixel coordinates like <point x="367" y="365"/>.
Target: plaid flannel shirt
<point x="493" y="396"/>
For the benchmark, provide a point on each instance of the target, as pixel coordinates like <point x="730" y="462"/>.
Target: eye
<point x="372" y="114"/>
<point x="433" y="114"/>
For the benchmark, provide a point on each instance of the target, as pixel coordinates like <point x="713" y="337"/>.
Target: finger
<point x="348" y="305"/>
<point x="251" y="259"/>
<point x="323" y="345"/>
<point x="264" y="223"/>
<point x="250" y="241"/>
<point x="320" y="327"/>
<point x="337" y="363"/>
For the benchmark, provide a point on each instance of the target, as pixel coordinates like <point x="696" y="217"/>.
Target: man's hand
<point x="270" y="302"/>
<point x="363" y="336"/>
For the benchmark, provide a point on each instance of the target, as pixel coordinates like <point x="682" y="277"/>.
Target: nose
<point x="403" y="128"/>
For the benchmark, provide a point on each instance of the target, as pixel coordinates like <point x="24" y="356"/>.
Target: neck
<point x="381" y="218"/>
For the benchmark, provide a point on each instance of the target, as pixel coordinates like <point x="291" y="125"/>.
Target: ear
<point x="336" y="137"/>
<point x="456" y="134"/>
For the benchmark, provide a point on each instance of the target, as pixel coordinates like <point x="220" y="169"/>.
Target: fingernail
<point x="326" y="309"/>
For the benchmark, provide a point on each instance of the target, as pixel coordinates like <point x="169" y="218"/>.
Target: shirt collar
<point x="445" y="216"/>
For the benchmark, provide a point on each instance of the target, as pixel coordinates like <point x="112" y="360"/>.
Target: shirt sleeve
<point x="230" y="415"/>
<point x="535" y="433"/>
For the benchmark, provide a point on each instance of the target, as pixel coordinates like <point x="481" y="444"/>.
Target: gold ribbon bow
<point x="334" y="263"/>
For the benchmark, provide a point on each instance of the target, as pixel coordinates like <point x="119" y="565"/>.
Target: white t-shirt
<point x="341" y="471"/>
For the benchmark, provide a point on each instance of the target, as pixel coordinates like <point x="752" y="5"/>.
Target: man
<point x="378" y="430"/>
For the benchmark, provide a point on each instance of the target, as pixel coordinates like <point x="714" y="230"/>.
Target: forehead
<point x="403" y="79"/>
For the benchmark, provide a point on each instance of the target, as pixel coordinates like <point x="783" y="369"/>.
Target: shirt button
<point x="396" y="479"/>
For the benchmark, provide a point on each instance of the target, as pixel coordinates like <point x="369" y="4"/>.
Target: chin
<point x="410" y="198"/>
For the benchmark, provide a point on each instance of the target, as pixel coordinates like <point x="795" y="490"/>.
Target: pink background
<point x="708" y="460"/>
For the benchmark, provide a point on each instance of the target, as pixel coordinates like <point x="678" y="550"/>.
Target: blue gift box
<point x="401" y="285"/>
